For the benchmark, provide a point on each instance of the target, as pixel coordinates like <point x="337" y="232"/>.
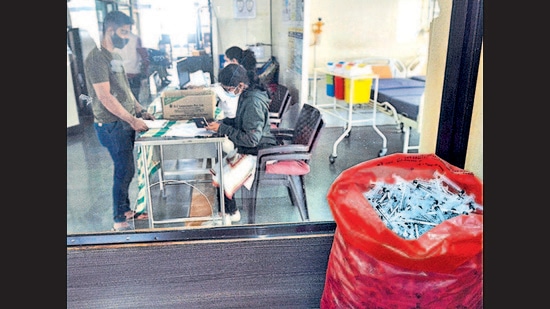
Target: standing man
<point x="116" y="112"/>
<point x="136" y="62"/>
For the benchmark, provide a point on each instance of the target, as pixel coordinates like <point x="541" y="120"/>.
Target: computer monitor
<point x="183" y="78"/>
<point x="188" y="65"/>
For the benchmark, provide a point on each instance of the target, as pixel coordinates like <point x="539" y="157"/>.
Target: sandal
<point x="122" y="226"/>
<point x="131" y="214"/>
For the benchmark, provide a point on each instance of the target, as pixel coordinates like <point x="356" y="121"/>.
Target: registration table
<point x="151" y="144"/>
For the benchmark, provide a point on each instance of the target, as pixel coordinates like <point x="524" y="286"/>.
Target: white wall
<point x="435" y="75"/>
<point x="229" y="31"/>
<point x="366" y="28"/>
<point x="270" y="26"/>
<point x="356" y="29"/>
<point x="288" y="21"/>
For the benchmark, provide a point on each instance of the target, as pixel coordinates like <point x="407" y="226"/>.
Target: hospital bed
<point x="392" y="92"/>
<point x="401" y="98"/>
<point x="399" y="95"/>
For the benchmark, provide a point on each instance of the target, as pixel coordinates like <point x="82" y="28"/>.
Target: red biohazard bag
<point x="370" y="266"/>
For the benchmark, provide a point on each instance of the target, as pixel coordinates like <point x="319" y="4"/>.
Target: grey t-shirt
<point x="101" y="66"/>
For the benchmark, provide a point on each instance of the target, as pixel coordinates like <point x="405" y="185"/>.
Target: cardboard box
<point x="186" y="104"/>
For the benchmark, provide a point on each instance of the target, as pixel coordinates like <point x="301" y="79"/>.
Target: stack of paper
<point x="155" y="124"/>
<point x="187" y="130"/>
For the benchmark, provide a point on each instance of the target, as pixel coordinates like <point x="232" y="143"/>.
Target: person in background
<point x="136" y="62"/>
<point x="249" y="132"/>
<point x="165" y="46"/>
<point x="163" y="58"/>
<point x="232" y="55"/>
<point x="246" y="58"/>
<point x="116" y="112"/>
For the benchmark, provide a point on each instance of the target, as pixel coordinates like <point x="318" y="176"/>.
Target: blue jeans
<point x="118" y="137"/>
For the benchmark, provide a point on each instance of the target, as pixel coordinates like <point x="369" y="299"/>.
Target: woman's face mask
<point x="232" y="95"/>
<point x="230" y="91"/>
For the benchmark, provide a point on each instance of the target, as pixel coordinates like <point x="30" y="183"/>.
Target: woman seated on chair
<point x="249" y="132"/>
<point x="228" y="103"/>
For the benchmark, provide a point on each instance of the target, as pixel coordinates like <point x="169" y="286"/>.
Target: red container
<point x="339" y="89"/>
<point x="370" y="266"/>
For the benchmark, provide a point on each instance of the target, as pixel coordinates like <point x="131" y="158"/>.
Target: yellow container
<point x="361" y="90"/>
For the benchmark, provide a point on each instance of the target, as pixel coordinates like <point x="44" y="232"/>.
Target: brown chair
<point x="287" y="163"/>
<point x="280" y="97"/>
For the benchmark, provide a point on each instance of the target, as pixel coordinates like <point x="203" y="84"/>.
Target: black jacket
<point x="250" y="129"/>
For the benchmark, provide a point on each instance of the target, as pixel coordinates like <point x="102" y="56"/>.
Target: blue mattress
<point x="421" y="78"/>
<point x="402" y="93"/>
<point x="394" y="83"/>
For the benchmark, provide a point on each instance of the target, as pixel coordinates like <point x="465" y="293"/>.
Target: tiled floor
<point x="89" y="177"/>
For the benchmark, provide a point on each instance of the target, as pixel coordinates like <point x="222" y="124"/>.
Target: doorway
<point x="181" y="27"/>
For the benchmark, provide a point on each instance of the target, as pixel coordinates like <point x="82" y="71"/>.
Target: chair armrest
<point x="282" y="152"/>
<point x="282" y="131"/>
<point x="282" y="134"/>
<point x="304" y="156"/>
<point x="290" y="148"/>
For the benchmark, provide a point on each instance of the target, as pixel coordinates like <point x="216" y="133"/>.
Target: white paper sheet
<point x="187" y="130"/>
<point x="155" y="124"/>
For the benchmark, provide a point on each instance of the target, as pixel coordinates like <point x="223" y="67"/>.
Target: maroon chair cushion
<point x="287" y="167"/>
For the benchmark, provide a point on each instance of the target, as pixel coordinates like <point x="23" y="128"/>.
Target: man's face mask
<point x="119" y="42"/>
